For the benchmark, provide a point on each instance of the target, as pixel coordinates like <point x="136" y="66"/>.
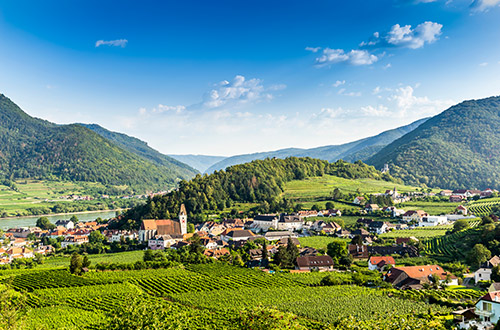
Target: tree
<point x="486" y="220"/>
<point x="96" y="237"/>
<point x="292" y="252"/>
<point x="148" y="255"/>
<point x="478" y="255"/>
<point x="336" y="250"/>
<point x="190" y="228"/>
<point x="75" y="264"/>
<point x="265" y="256"/>
<point x="357" y="240"/>
<point x="336" y="195"/>
<point x="315" y="207"/>
<point x="86" y="262"/>
<point x="44" y="224"/>
<point x="495" y="274"/>
<point x="74" y="218"/>
<point x="329" y="206"/>
<point x="460" y="225"/>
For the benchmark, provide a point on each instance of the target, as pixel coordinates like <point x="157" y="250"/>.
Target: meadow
<point x="433" y="208"/>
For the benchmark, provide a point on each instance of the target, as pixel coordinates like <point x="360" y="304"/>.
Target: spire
<point x="183" y="210"/>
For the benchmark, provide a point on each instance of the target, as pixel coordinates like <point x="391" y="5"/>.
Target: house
<point x="371" y="207"/>
<point x="358" y="251"/>
<point x="211" y="227"/>
<point x="233" y="223"/>
<point x="446" y="192"/>
<point x="308" y="252"/>
<point x="488" y="193"/>
<point x="461" y="210"/>
<point x="160" y="242"/>
<point x="216" y="253"/>
<point x="378" y="227"/>
<point x="409" y="216"/>
<point x="277" y="235"/>
<point x="415" y="276"/>
<point x="19" y="232"/>
<point x="484" y="272"/>
<point x="174" y="228"/>
<point x="456" y="198"/>
<point x="488" y="307"/>
<point x="464" y="193"/>
<point x="494" y="287"/>
<point x="236" y="235"/>
<point x="290" y="222"/>
<point x="359" y="200"/>
<point x="403" y="250"/>
<point x="332" y="213"/>
<point x="284" y="241"/>
<point x="395" y="212"/>
<point x="343" y="233"/>
<point x="430" y="221"/>
<point x="405" y="240"/>
<point x="306" y="214"/>
<point x="378" y="263"/>
<point x="68" y="224"/>
<point x="19" y="252"/>
<point x="74" y="240"/>
<point x="264" y="222"/>
<point x="316" y="263"/>
<point x="364" y="221"/>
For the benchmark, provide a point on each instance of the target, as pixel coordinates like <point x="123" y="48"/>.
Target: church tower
<point x="183" y="219"/>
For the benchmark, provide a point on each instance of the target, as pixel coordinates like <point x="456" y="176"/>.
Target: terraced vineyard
<point x="482" y="208"/>
<point x="448" y="247"/>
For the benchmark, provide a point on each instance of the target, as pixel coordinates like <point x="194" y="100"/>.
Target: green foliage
<point x="76" y="264"/>
<point x="337" y="249"/>
<point x="261" y="181"/>
<point x="34" y="148"/>
<point x="452" y="149"/>
<point x="44" y="224"/>
<point x="478" y="255"/>
<point x="460" y="225"/>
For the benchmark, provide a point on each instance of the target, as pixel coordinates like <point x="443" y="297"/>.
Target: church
<point x="174" y="228"/>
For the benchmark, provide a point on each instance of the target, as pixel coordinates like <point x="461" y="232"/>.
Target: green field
<point x="312" y="188"/>
<point x="483" y="207"/>
<point x="433" y="208"/>
<point x="319" y="242"/>
<point x="120" y="257"/>
<point x="207" y="296"/>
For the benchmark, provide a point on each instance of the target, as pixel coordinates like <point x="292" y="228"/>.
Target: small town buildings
<point x="414" y="216"/>
<point x="461" y="210"/>
<point x="212" y="228"/>
<point x="68" y="224"/>
<point x="161" y="242"/>
<point x="290" y="222"/>
<point x="403" y="250"/>
<point x="358" y="251"/>
<point x="278" y="222"/>
<point x="430" y="221"/>
<point x="359" y="200"/>
<point x="19" y="232"/>
<point x="332" y="213"/>
<point x="174" y="228"/>
<point x="236" y="235"/>
<point x="484" y="272"/>
<point x="415" y="276"/>
<point x="371" y="207"/>
<point x="446" y="192"/>
<point x="216" y="253"/>
<point x="74" y="240"/>
<point x="264" y="222"/>
<point x="278" y="235"/>
<point x="495" y="286"/>
<point x="378" y="227"/>
<point x="488" y="307"/>
<point x="379" y="263"/>
<point x="315" y="263"/>
<point x="456" y="198"/>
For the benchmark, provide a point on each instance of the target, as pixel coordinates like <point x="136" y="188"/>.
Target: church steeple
<point x="183" y="219"/>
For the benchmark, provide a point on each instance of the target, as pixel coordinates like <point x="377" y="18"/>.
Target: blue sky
<point x="226" y="77"/>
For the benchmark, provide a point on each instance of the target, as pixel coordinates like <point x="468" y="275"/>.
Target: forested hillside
<point x="459" y="148"/>
<point x="141" y="148"/>
<point x="261" y="181"/>
<point x="357" y="150"/>
<point x="35" y="148"/>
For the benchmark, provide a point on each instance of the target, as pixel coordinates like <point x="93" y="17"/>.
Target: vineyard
<point x="482" y="208"/>
<point x="451" y="247"/>
<point x="203" y="297"/>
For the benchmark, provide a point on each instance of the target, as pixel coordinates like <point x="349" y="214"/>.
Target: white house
<point x="484" y="273"/>
<point x="265" y="221"/>
<point x="488" y="307"/>
<point x="161" y="242"/>
<point x="359" y="200"/>
<point x="413" y="215"/>
<point x="430" y="221"/>
<point x="378" y="227"/>
<point x="68" y="224"/>
<point x="378" y="263"/>
<point x="74" y="240"/>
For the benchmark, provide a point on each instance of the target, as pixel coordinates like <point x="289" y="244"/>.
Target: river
<point x="30" y="221"/>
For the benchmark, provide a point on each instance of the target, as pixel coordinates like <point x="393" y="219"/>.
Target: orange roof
<point x="423" y="271"/>
<point x="148" y="224"/>
<point x="492" y="296"/>
<point x="377" y="260"/>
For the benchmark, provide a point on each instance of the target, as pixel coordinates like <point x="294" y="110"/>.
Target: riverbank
<point x="61" y="214"/>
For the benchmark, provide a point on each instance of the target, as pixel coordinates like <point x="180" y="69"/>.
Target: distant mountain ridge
<point x="35" y="148"/>
<point x="459" y="148"/>
<point x="198" y="162"/>
<point x="352" y="151"/>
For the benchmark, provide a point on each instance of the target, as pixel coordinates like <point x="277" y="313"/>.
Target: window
<point x="486" y="306"/>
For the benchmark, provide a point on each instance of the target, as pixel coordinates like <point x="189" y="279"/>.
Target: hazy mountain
<point x="459" y="148"/>
<point x="199" y="162"/>
<point x="352" y="151"/>
<point x="35" y="148"/>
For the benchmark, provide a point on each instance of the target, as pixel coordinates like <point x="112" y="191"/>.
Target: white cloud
<point x="354" y="57"/>
<point x="338" y="83"/>
<point x="483" y="64"/>
<point x="115" y="43"/>
<point x="484" y="5"/>
<point x="239" y="91"/>
<point x="344" y="92"/>
<point x="313" y="49"/>
<point x="407" y="103"/>
<point x="378" y="111"/>
<point x="405" y="36"/>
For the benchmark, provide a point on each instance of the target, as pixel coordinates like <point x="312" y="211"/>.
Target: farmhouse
<point x="488" y="307"/>
<point x="461" y="210"/>
<point x="456" y="198"/>
<point x="160" y="242"/>
<point x="265" y="221"/>
<point x="379" y="263"/>
<point x="378" y="227"/>
<point x="74" y="240"/>
<point x="359" y="200"/>
<point x="316" y="263"/>
<point x="415" y="276"/>
<point x="414" y="215"/>
<point x="277" y="235"/>
<point x="430" y="221"/>
<point x="371" y="207"/>
<point x="484" y="272"/>
<point x="236" y="235"/>
<point x="68" y="224"/>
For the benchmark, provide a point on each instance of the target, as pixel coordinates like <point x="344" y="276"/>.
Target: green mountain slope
<point x="35" y="148"/>
<point x="459" y="148"/>
<point x="141" y="148"/>
<point x="199" y="162"/>
<point x="352" y="151"/>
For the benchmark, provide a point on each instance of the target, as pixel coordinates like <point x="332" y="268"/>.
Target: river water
<point x="31" y="220"/>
